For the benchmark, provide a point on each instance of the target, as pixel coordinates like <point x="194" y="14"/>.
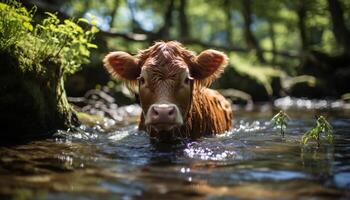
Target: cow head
<point x="165" y="75"/>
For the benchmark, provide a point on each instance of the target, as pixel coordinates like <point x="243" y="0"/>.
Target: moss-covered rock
<point x="232" y="79"/>
<point x="31" y="105"/>
<point x="34" y="62"/>
<point x="260" y="81"/>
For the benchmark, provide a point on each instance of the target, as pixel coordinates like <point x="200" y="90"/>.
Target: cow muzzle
<point x="163" y="117"/>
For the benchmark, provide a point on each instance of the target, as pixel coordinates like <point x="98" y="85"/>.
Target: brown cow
<point x="172" y="84"/>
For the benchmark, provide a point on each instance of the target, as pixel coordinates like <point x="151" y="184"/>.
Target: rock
<point x="237" y="96"/>
<point x="31" y="104"/>
<point x="232" y="79"/>
<point x="341" y="80"/>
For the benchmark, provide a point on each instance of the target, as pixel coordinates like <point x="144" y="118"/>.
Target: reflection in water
<point x="251" y="161"/>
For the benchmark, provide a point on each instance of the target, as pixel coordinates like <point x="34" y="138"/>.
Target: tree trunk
<point x="340" y="31"/>
<point x="273" y="41"/>
<point x="113" y="13"/>
<point x="136" y="27"/>
<point x="251" y="41"/>
<point x="229" y="27"/>
<point x="301" y="12"/>
<point x="184" y="27"/>
<point x="164" y="32"/>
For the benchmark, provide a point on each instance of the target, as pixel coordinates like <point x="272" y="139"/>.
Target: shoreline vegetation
<point x="36" y="58"/>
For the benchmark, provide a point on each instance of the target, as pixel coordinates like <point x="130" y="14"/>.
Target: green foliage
<point x="15" y="21"/>
<point x="65" y="43"/>
<point x="66" y="40"/>
<point x="263" y="74"/>
<point x="322" y="126"/>
<point x="209" y="21"/>
<point x="280" y="119"/>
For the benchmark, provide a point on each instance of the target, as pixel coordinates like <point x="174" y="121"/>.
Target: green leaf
<point x="83" y="20"/>
<point x="90" y="45"/>
<point x="28" y="26"/>
<point x="322" y="126"/>
<point x="94" y="29"/>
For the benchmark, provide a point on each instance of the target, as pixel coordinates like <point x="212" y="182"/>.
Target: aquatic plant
<point x="280" y="119"/>
<point x="322" y="126"/>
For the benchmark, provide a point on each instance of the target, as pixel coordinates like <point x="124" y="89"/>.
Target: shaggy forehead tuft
<point x="165" y="59"/>
<point x="165" y="53"/>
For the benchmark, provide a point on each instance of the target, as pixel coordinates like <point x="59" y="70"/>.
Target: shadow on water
<point x="251" y="161"/>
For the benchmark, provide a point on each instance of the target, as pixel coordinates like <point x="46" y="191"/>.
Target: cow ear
<point x="122" y="66"/>
<point x="208" y="66"/>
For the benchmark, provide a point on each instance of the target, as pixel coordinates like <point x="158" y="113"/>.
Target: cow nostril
<point x="155" y="112"/>
<point x="171" y="111"/>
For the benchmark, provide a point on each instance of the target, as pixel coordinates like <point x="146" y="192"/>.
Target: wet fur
<point x="210" y="114"/>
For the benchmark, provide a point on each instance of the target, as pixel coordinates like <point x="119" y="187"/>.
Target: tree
<point x="184" y="26"/>
<point x="164" y="31"/>
<point x="229" y="27"/>
<point x="262" y="10"/>
<point x="341" y="32"/>
<point x="301" y="12"/>
<point x="113" y="12"/>
<point x="251" y="41"/>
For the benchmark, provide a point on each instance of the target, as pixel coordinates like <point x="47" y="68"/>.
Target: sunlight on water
<point x="291" y="102"/>
<point x="221" y="150"/>
<point x="82" y="132"/>
<point x="193" y="150"/>
<point x="121" y="134"/>
<point x="243" y="126"/>
<point x="123" y="163"/>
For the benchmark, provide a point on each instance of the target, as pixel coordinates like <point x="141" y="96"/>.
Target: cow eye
<point x="141" y="80"/>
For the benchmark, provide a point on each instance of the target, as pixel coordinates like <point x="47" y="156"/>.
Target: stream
<point x="251" y="161"/>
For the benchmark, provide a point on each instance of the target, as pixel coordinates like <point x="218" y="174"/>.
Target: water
<point x="252" y="161"/>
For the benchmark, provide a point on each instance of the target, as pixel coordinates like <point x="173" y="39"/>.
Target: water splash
<point x="123" y="163"/>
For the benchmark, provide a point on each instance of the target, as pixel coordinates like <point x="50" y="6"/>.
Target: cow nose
<point x="163" y="117"/>
<point x="163" y="113"/>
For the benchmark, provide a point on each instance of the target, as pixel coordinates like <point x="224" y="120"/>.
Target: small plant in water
<point x="322" y="126"/>
<point x="280" y="119"/>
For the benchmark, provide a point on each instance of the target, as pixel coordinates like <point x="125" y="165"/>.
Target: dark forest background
<point x="276" y="47"/>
